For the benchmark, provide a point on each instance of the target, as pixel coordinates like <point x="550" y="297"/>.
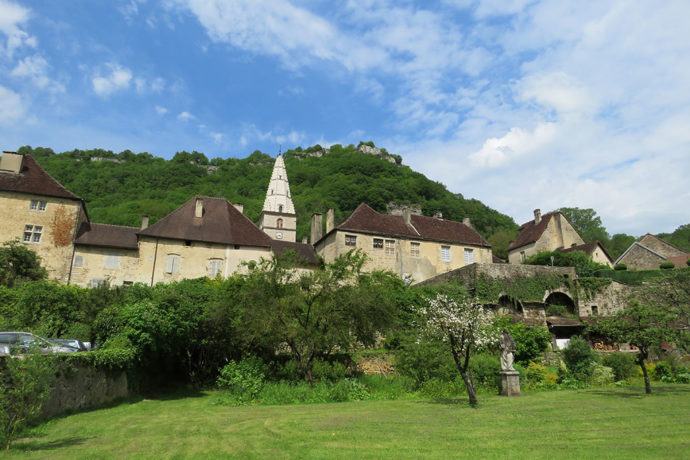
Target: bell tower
<point x="278" y="218"/>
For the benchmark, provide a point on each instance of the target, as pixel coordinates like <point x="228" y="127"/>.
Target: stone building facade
<point x="649" y="252"/>
<point x="204" y="237"/>
<point x="549" y="232"/>
<point x="413" y="246"/>
<point x="39" y="212"/>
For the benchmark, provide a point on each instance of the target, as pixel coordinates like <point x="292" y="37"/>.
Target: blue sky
<point x="522" y="104"/>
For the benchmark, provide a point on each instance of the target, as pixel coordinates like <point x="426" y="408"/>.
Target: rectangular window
<point x="78" y="261"/>
<point x="378" y="243"/>
<point x="415" y="249"/>
<point x="38" y="205"/>
<point x="215" y="267"/>
<point x="112" y="261"/>
<point x="32" y="233"/>
<point x="127" y="283"/>
<point x="172" y="264"/>
<point x="97" y="282"/>
<point x="390" y="247"/>
<point x="445" y="253"/>
<point x="522" y="256"/>
<point x="350" y="240"/>
<point x="469" y="256"/>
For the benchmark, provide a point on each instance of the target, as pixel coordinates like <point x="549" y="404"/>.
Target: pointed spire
<point x="278" y="198"/>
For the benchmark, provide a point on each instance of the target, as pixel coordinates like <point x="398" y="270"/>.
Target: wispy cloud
<point x="12" y="108"/>
<point x="12" y="19"/>
<point x="185" y="116"/>
<point x="117" y="78"/>
<point x="35" y="69"/>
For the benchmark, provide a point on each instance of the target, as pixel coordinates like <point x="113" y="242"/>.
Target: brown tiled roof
<point x="305" y="252"/>
<point x="364" y="219"/>
<point x="220" y="223"/>
<point x="529" y="232"/>
<point x="33" y="179"/>
<point x="110" y="236"/>
<point x="587" y="248"/>
<point x="497" y="260"/>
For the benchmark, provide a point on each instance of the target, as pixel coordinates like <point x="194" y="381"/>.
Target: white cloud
<point x="185" y="116"/>
<point x="12" y="108"/>
<point x="161" y="110"/>
<point x="217" y="137"/>
<point x="12" y="16"/>
<point x="498" y="152"/>
<point x="35" y="69"/>
<point x="118" y="79"/>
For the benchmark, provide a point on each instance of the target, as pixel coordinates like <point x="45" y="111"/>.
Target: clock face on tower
<point x="279" y="235"/>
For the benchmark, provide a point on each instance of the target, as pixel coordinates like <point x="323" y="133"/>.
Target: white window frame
<point x="522" y="256"/>
<point x="112" y="261"/>
<point x="468" y="255"/>
<point x="37" y="205"/>
<point x="78" y="261"/>
<point x="215" y="267"/>
<point x="415" y="249"/>
<point x="389" y="247"/>
<point x="32" y="233"/>
<point x="351" y="240"/>
<point x="445" y="254"/>
<point x="172" y="264"/>
<point x="378" y="243"/>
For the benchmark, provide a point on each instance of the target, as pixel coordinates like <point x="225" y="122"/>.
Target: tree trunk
<point x="641" y="362"/>
<point x="469" y="383"/>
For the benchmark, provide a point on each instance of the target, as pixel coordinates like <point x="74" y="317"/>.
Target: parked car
<point x="21" y="342"/>
<point x="77" y="345"/>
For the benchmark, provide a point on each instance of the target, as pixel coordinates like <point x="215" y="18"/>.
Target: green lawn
<point x="599" y="423"/>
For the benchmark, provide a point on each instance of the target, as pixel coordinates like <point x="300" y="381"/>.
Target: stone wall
<point x="81" y="386"/>
<point x="472" y="272"/>
<point x="660" y="246"/>
<point x="639" y="258"/>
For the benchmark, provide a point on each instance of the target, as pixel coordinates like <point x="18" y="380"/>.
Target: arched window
<point x="279" y="223"/>
<point x="280" y="208"/>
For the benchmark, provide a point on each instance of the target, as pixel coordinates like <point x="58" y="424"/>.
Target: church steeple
<point x="278" y="198"/>
<point x="278" y="219"/>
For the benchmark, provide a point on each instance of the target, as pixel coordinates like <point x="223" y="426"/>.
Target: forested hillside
<point x="121" y="187"/>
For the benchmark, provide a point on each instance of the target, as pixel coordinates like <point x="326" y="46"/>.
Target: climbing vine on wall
<point x="526" y="289"/>
<point x="61" y="228"/>
<point x="590" y="285"/>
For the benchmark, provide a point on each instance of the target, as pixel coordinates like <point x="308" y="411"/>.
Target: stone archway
<point x="509" y="306"/>
<point x="560" y="304"/>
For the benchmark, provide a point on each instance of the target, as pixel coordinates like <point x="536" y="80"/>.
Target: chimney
<point x="330" y="219"/>
<point x="144" y="222"/>
<point x="11" y="161"/>
<point x="466" y="221"/>
<point x="537" y="216"/>
<point x="239" y="207"/>
<point x="316" y="227"/>
<point x="199" y="210"/>
<point x="438" y="215"/>
<point x="406" y="213"/>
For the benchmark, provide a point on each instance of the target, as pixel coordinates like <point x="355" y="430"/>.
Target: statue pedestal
<point x="510" y="383"/>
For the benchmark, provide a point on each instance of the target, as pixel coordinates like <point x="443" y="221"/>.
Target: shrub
<point x="530" y="341"/>
<point x="486" y="369"/>
<point x="650" y="370"/>
<point x="536" y="373"/>
<point x="623" y="365"/>
<point x="550" y="379"/>
<point x="23" y="389"/>
<point x="601" y="375"/>
<point x="324" y="370"/>
<point x="578" y="358"/>
<point x="243" y="379"/>
<point x="687" y="262"/>
<point x="666" y="265"/>
<point x="428" y="359"/>
<point x="663" y="371"/>
<point x="620" y="267"/>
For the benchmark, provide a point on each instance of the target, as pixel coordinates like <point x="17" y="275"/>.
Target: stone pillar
<point x="510" y="383"/>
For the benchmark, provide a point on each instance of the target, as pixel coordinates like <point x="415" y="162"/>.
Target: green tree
<point x="583" y="264"/>
<point x="500" y="241"/>
<point x="618" y="244"/>
<point x="316" y="313"/>
<point x="644" y="325"/>
<point x="23" y="389"/>
<point x="587" y="224"/>
<point x="18" y="263"/>
<point x="466" y="326"/>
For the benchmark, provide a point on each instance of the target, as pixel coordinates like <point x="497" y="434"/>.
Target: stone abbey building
<point x="212" y="237"/>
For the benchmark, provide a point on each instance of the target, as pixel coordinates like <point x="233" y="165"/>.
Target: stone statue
<point x="507" y="344"/>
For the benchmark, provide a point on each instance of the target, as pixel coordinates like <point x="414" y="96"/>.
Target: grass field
<point x="600" y="423"/>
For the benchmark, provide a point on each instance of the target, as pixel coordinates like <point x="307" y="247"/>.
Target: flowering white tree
<point x="466" y="325"/>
